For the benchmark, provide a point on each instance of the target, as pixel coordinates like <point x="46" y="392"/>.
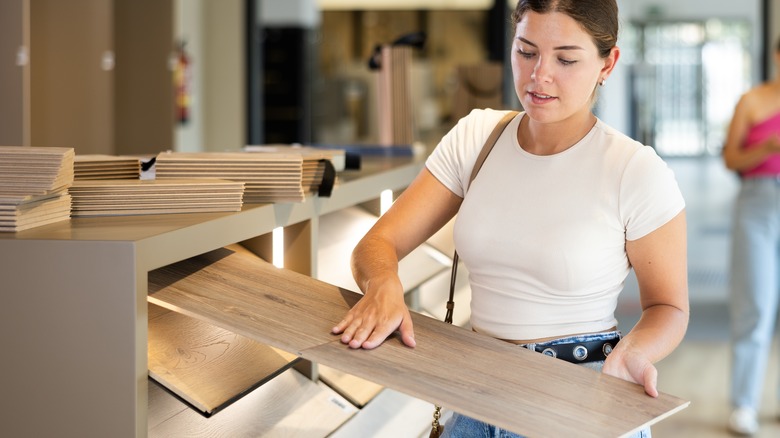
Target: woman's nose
<point x="541" y="71"/>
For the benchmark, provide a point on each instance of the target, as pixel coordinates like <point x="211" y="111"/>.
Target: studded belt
<point x="579" y="352"/>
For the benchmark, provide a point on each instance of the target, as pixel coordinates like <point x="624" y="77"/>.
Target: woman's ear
<point x="609" y="62"/>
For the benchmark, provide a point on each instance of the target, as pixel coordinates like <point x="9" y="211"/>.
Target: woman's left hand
<point x="633" y="367"/>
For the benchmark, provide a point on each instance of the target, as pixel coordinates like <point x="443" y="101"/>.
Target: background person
<point x="753" y="149"/>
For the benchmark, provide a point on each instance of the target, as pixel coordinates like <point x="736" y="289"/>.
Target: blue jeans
<point x="461" y="426"/>
<point x="754" y="286"/>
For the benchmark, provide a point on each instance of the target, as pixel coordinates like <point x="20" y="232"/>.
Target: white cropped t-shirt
<point x="543" y="237"/>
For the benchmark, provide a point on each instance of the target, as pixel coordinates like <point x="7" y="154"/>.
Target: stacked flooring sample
<point x="34" y="185"/>
<point x="396" y="124"/>
<point x="267" y="177"/>
<point x="106" y="167"/>
<point x="138" y="197"/>
<point x="319" y="165"/>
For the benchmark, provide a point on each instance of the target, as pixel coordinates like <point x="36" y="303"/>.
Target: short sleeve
<point x="649" y="194"/>
<point x="453" y="158"/>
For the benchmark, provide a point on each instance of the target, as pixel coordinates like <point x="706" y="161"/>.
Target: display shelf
<point x="74" y="296"/>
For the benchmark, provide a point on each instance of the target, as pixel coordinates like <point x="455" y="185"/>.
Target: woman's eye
<point x="566" y="61"/>
<point x="526" y="55"/>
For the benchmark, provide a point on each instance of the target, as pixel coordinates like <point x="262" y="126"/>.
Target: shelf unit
<point x="74" y="299"/>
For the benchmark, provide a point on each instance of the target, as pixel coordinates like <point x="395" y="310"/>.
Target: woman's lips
<point x="540" y="98"/>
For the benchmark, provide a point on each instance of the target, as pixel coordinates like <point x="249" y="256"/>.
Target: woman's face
<point x="556" y="66"/>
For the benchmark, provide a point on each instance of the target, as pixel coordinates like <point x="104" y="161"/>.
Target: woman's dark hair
<point x="597" y="17"/>
<point x="777" y="46"/>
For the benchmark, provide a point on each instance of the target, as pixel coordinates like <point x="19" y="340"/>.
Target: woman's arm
<point x="421" y="210"/>
<point x="659" y="260"/>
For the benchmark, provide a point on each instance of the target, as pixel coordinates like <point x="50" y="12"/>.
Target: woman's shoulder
<point x="761" y="102"/>
<point x="617" y="137"/>
<point x="484" y="117"/>
<point x="475" y="127"/>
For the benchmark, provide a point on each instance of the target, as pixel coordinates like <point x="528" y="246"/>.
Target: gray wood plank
<point x="470" y="373"/>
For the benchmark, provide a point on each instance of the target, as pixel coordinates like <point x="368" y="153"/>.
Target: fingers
<point x="651" y="381"/>
<point x="407" y="331"/>
<point x="367" y="333"/>
<point x="633" y="368"/>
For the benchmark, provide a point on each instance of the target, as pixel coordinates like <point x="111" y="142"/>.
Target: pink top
<point x="758" y="133"/>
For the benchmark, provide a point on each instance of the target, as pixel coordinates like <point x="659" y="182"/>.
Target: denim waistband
<point x="598" y="343"/>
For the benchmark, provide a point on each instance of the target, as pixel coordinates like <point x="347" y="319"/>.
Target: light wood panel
<point x="467" y="372"/>
<point x="358" y="391"/>
<point x="289" y="406"/>
<point x="206" y="366"/>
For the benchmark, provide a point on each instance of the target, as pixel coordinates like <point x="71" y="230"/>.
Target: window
<point x="685" y="79"/>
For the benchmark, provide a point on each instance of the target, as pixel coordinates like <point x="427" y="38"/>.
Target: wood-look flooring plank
<point x="470" y="373"/>
<point x="248" y="296"/>
<point x="207" y="366"/>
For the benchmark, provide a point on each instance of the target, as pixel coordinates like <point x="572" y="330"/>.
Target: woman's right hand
<point x="422" y="209"/>
<point x="379" y="313"/>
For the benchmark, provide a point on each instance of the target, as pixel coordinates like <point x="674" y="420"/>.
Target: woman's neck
<point x="553" y="138"/>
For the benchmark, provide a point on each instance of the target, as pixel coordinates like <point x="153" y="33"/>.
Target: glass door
<point x="686" y="78"/>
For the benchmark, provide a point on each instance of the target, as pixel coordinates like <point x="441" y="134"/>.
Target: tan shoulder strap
<point x="490" y="142"/>
<point x="486" y="148"/>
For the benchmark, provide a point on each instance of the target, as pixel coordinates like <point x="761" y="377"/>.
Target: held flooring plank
<point x="501" y="383"/>
<point x="462" y="370"/>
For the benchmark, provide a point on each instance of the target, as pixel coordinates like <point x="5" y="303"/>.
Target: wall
<point x="143" y="88"/>
<point x="215" y="35"/>
<point x="14" y="78"/>
<point x="188" y="27"/>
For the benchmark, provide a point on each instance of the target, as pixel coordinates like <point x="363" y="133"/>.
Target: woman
<point x="561" y="210"/>
<point x="753" y="149"/>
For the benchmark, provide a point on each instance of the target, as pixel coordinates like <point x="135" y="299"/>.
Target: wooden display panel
<point x="467" y="372"/>
<point x="289" y="406"/>
<point x="208" y="367"/>
<point x="358" y="391"/>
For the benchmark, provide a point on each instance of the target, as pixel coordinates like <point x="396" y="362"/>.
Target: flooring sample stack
<point x="396" y="124"/>
<point x="106" y="167"/>
<point x="34" y="185"/>
<point x="267" y="178"/>
<point x="121" y="197"/>
<point x="316" y="175"/>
